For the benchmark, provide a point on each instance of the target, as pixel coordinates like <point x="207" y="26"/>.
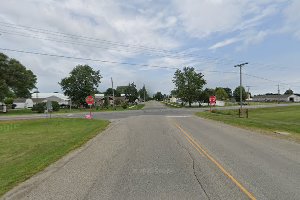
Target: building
<point x="276" y="97"/>
<point x="100" y="98"/>
<point x="22" y="103"/>
<point x="44" y="97"/>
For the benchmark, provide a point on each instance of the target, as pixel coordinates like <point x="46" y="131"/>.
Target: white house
<point x="173" y="100"/>
<point x="23" y="103"/>
<point x="44" y="97"/>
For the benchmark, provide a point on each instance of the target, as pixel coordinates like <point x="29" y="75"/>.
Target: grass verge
<point x="27" y="147"/>
<point x="284" y="119"/>
<point x="17" y="112"/>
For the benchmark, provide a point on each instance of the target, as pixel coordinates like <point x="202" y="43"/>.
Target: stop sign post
<point x="212" y="101"/>
<point x="90" y="101"/>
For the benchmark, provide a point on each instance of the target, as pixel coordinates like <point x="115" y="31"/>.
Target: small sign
<point x="212" y="100"/>
<point x="89" y="100"/>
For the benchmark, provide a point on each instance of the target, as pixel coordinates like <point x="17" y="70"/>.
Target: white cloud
<point x="292" y="18"/>
<point x="150" y="28"/>
<point x="224" y="43"/>
<point x="202" y="18"/>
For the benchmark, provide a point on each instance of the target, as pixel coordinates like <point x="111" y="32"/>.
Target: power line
<point x="127" y="63"/>
<point x="138" y="48"/>
<point x="60" y="34"/>
<point x="179" y="54"/>
<point x="86" y="59"/>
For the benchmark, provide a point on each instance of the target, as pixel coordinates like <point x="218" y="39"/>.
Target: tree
<point x="121" y="89"/>
<point x="82" y="82"/>
<point x="143" y="92"/>
<point x="109" y="92"/>
<point x="131" y="92"/>
<point x="158" y="96"/>
<point x="229" y="92"/>
<point x="236" y="94"/>
<point x="204" y="95"/>
<point x="289" y="91"/>
<point x="174" y="93"/>
<point x="188" y="84"/>
<point x="15" y="79"/>
<point x="221" y="94"/>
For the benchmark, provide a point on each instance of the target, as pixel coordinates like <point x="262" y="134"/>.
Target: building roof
<point x="99" y="95"/>
<point x="20" y="100"/>
<point x="46" y="95"/>
<point x="272" y="96"/>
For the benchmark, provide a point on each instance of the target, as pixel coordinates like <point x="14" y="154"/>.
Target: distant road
<point x="162" y="153"/>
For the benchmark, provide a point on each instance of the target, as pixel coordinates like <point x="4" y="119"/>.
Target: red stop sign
<point x="89" y="100"/>
<point x="212" y="100"/>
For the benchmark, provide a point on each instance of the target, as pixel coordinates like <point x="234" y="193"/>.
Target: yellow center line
<point x="200" y="149"/>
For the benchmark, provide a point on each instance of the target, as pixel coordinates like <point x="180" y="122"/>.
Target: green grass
<point x="137" y="107"/>
<point x="27" y="147"/>
<point x="286" y="119"/>
<point x="17" y="112"/>
<point x="13" y="112"/>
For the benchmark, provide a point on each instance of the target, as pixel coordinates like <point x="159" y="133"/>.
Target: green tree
<point x="143" y="91"/>
<point x="289" y="91"/>
<point x="131" y="92"/>
<point x="121" y="89"/>
<point x="204" y="95"/>
<point x="8" y="101"/>
<point x="15" y="79"/>
<point x="82" y="82"/>
<point x="109" y="92"/>
<point x="158" y="96"/>
<point x="236" y="94"/>
<point x="174" y="93"/>
<point x="188" y="84"/>
<point x="221" y="94"/>
<point x="229" y="92"/>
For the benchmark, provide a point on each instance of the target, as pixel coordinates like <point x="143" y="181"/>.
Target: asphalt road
<point x="161" y="153"/>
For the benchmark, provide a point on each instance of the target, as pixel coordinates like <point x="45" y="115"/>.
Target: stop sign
<point x="89" y="100"/>
<point x="212" y="100"/>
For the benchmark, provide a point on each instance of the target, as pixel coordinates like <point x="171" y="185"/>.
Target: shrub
<point x="55" y="106"/>
<point x="8" y="101"/>
<point x="125" y="105"/>
<point x="39" y="107"/>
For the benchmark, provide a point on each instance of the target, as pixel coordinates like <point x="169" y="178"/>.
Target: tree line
<point x="17" y="82"/>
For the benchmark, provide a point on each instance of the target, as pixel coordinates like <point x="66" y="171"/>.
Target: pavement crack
<point x="193" y="166"/>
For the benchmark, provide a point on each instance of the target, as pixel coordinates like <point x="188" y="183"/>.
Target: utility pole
<point x="112" y="86"/>
<point x="241" y="91"/>
<point x="144" y="94"/>
<point x="278" y="98"/>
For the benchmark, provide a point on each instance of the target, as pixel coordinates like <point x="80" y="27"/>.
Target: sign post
<point x="212" y="101"/>
<point x="90" y="101"/>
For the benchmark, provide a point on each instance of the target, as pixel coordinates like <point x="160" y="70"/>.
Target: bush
<point x="125" y="105"/>
<point x="8" y="101"/>
<point x="55" y="106"/>
<point x="39" y="107"/>
<point x="118" y="102"/>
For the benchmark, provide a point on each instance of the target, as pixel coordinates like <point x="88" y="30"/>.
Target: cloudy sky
<point x="154" y="37"/>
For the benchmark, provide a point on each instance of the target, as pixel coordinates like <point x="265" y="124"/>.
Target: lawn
<point x="29" y="111"/>
<point x="28" y="146"/>
<point x="285" y="119"/>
